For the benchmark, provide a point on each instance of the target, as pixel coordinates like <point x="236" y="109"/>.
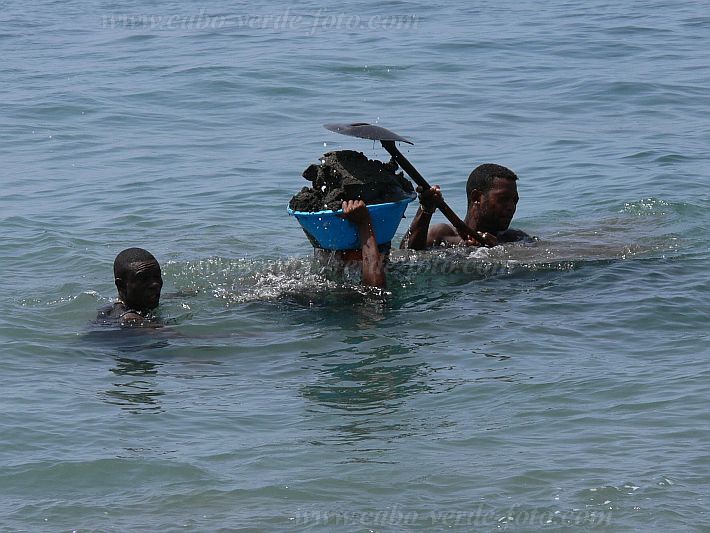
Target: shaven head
<point x="122" y="263"/>
<point x="483" y="176"/>
<point x="138" y="279"/>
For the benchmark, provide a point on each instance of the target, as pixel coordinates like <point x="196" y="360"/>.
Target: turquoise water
<point x="557" y="385"/>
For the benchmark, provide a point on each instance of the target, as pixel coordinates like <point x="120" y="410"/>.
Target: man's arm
<point x="416" y="236"/>
<point x="373" y="273"/>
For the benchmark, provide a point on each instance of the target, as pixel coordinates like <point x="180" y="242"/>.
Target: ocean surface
<point x="559" y="385"/>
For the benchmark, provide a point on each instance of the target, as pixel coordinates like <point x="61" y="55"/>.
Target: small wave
<point x="673" y="158"/>
<point x="373" y="70"/>
<point x="238" y="281"/>
<point x="247" y="280"/>
<point x="647" y="206"/>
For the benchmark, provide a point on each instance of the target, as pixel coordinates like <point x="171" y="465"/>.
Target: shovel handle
<point x="461" y="227"/>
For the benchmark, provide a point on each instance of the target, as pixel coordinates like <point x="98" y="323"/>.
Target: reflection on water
<point x="129" y="340"/>
<point x="134" y="367"/>
<point x="361" y="306"/>
<point x="135" y="395"/>
<point x="368" y="394"/>
<point x="376" y="382"/>
<point x="368" y="388"/>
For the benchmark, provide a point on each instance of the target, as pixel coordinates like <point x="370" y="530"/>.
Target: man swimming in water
<point x="138" y="280"/>
<point x="492" y="199"/>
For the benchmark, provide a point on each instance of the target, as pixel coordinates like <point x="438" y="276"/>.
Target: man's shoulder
<point x="442" y="230"/>
<point x="514" y="235"/>
<point x="118" y="313"/>
<point x="439" y="234"/>
<point x="111" y="312"/>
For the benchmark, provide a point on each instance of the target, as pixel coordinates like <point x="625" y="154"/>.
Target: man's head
<point x="138" y="279"/>
<point x="492" y="196"/>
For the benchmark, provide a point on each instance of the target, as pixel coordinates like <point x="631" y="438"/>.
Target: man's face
<point x="143" y="285"/>
<point x="498" y="205"/>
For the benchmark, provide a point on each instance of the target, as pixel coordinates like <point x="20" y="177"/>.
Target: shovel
<point x="387" y="138"/>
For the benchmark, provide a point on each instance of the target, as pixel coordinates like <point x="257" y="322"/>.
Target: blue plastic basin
<point x="325" y="229"/>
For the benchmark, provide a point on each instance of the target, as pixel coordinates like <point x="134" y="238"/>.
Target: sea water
<point x="546" y="386"/>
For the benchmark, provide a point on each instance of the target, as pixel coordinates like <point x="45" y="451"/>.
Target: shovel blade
<point x="364" y="130"/>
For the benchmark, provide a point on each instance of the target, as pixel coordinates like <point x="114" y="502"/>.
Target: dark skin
<point x="373" y="273"/>
<point x="490" y="213"/>
<point x="140" y="290"/>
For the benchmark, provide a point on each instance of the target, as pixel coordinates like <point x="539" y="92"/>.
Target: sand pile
<point x="350" y="175"/>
